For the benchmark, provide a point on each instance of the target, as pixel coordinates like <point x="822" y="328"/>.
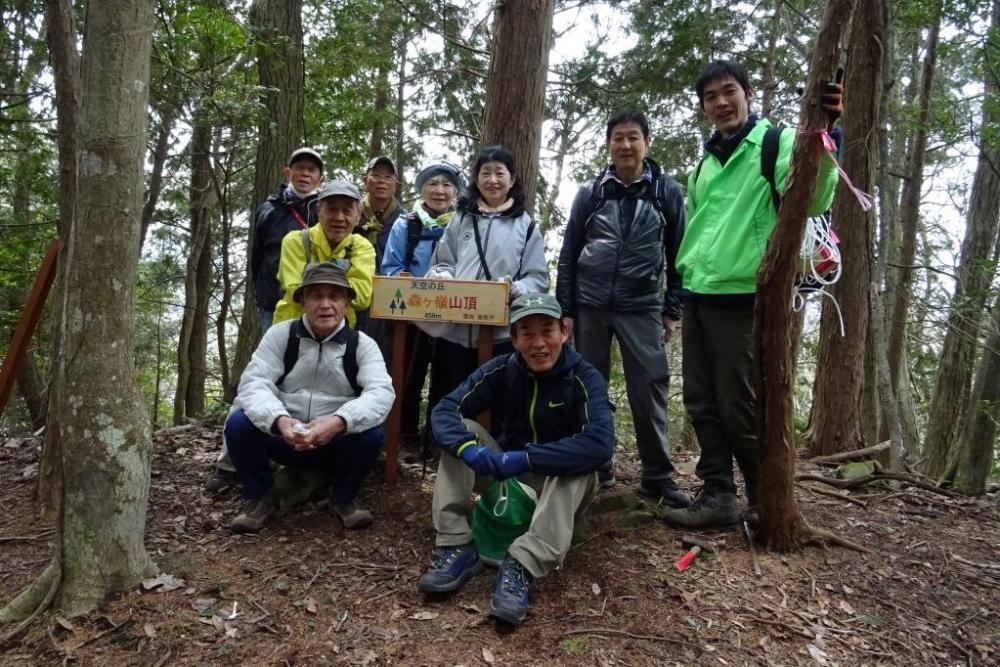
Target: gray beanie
<point x="447" y="169"/>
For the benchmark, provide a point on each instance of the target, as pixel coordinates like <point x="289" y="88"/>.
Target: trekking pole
<point x="753" y="550"/>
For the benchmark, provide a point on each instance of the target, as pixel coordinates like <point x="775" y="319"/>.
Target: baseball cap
<point x="323" y="273"/>
<point x="305" y="152"/>
<point x="538" y="303"/>
<point x="381" y="159"/>
<point x="339" y="187"/>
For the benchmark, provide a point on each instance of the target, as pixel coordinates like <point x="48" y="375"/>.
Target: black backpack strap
<point x="306" y="248"/>
<point x="351" y="360"/>
<point x="769" y="159"/>
<point x="295" y="332"/>
<point x="414" y="228"/>
<point x="479" y="248"/>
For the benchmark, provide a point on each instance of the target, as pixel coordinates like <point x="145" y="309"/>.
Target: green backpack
<point x="500" y="516"/>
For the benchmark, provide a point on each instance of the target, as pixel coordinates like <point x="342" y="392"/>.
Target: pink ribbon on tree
<point x="864" y="199"/>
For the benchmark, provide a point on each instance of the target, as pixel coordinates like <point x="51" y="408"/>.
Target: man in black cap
<point x="314" y="395"/>
<point x="287" y="209"/>
<point x="555" y="432"/>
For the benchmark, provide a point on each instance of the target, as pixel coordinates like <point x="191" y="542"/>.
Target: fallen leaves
<point x="164" y="582"/>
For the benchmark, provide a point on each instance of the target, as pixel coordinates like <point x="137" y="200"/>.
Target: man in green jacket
<point x="730" y="216"/>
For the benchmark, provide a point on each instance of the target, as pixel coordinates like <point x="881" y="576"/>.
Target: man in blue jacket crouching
<point x="555" y="431"/>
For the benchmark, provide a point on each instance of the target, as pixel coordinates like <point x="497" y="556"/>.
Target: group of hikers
<point x="636" y="260"/>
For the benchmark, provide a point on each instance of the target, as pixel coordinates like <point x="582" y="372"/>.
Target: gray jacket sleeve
<point x="372" y="407"/>
<point x="534" y="274"/>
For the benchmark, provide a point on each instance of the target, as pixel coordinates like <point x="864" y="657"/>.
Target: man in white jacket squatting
<point x="314" y="396"/>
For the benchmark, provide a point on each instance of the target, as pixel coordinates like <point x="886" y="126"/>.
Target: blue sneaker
<point x="452" y="567"/>
<point x="513" y="589"/>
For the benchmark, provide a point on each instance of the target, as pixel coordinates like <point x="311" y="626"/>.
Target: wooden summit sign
<point x="437" y="300"/>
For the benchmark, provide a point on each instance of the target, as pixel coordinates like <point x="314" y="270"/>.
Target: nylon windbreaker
<point x="293" y="261"/>
<point x="562" y="417"/>
<point x="317" y="385"/>
<point x="730" y="215"/>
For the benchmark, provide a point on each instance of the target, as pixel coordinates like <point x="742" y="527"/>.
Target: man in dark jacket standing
<point x="555" y="432"/>
<point x="286" y="210"/>
<point x="620" y="243"/>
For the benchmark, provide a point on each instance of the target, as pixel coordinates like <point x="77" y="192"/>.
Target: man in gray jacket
<point x="313" y="396"/>
<point x="620" y="242"/>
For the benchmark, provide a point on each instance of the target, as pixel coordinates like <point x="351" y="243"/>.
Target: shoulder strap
<point x="596" y="196"/>
<point x="479" y="247"/>
<point x="414" y="227"/>
<point x="697" y="171"/>
<point x="769" y="159"/>
<point x="291" y="350"/>
<point x="306" y="248"/>
<point x="527" y="237"/>
<point x="351" y="360"/>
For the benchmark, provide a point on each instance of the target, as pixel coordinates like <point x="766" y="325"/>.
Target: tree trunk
<point x="836" y="409"/>
<point x="769" y="84"/>
<point x="782" y="526"/>
<point x="974" y="460"/>
<point x="281" y="73"/>
<point x="515" y="88"/>
<point x="909" y="215"/>
<point x="62" y="38"/>
<point x="221" y="186"/>
<point x="400" y="146"/>
<point x="189" y="394"/>
<point x="160" y="154"/>
<point x="975" y="273"/>
<point x="32" y="387"/>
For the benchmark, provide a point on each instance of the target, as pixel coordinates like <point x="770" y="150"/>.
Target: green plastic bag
<point x="500" y="516"/>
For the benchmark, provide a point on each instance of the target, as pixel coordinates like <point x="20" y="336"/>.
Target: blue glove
<point x="510" y="464"/>
<point x="480" y="459"/>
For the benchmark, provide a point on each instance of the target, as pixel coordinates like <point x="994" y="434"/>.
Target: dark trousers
<point x="451" y="364"/>
<point x="719" y="390"/>
<point x="347" y="458"/>
<point x="417" y="358"/>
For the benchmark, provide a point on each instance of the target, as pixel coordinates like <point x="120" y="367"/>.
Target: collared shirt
<point x="647" y="175"/>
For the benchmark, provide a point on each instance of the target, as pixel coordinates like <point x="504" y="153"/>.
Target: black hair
<point x="469" y="202"/>
<point x="721" y="69"/>
<point x="627" y="116"/>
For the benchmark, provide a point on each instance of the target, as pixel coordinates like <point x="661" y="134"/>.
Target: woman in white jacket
<point x="491" y="237"/>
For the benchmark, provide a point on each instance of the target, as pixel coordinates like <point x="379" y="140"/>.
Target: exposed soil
<point x="305" y="592"/>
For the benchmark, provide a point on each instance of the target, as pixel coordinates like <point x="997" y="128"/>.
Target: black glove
<point x="832" y="97"/>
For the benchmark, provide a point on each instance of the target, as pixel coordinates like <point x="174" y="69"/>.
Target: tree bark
<point x="62" y="38"/>
<point x="975" y="273"/>
<point x="782" y="526"/>
<point x="515" y="88"/>
<point x="277" y="25"/>
<point x="192" y="345"/>
<point x="909" y="214"/>
<point x="160" y="153"/>
<point x="836" y="409"/>
<point x="105" y="432"/>
<point x="970" y="467"/>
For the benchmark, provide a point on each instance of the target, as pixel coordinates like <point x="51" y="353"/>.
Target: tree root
<point x="31" y="602"/>
<point x="821" y="535"/>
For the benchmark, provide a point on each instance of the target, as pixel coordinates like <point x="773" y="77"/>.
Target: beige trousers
<point x="561" y="501"/>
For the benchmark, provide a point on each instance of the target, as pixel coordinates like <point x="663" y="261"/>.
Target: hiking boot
<point x="665" y="491"/>
<point x="452" y="567"/>
<point x="606" y="477"/>
<point x="221" y="480"/>
<point x="713" y="506"/>
<point x="353" y="515"/>
<point x="512" y="591"/>
<point x="256" y="514"/>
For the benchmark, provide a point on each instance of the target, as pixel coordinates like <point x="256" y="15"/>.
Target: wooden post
<point x="393" y="429"/>
<point x="26" y="324"/>
<point x="485" y="354"/>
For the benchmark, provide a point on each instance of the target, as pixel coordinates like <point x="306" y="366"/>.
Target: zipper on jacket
<point x="531" y="412"/>
<point x="312" y="389"/>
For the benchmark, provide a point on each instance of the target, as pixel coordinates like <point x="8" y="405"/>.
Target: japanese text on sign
<point x="420" y="299"/>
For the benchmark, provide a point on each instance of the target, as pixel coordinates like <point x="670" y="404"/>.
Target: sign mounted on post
<point x="436" y="300"/>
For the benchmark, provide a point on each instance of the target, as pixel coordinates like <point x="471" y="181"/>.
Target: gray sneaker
<point x="713" y="506"/>
<point x="256" y="514"/>
<point x="353" y="515"/>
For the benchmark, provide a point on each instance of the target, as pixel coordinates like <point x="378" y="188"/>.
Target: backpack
<point x="482" y="253"/>
<point x="295" y="333"/>
<point x="597" y="197"/>
<point x="414" y="234"/>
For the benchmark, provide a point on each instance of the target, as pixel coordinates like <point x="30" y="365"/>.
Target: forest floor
<point x="305" y="592"/>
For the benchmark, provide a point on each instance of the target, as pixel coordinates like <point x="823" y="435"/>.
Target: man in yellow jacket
<point x="338" y="206"/>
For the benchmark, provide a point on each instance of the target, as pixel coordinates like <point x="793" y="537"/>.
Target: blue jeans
<point x="347" y="458"/>
<point x="266" y="319"/>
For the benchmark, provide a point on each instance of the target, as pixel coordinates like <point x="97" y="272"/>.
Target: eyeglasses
<point x="382" y="178"/>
